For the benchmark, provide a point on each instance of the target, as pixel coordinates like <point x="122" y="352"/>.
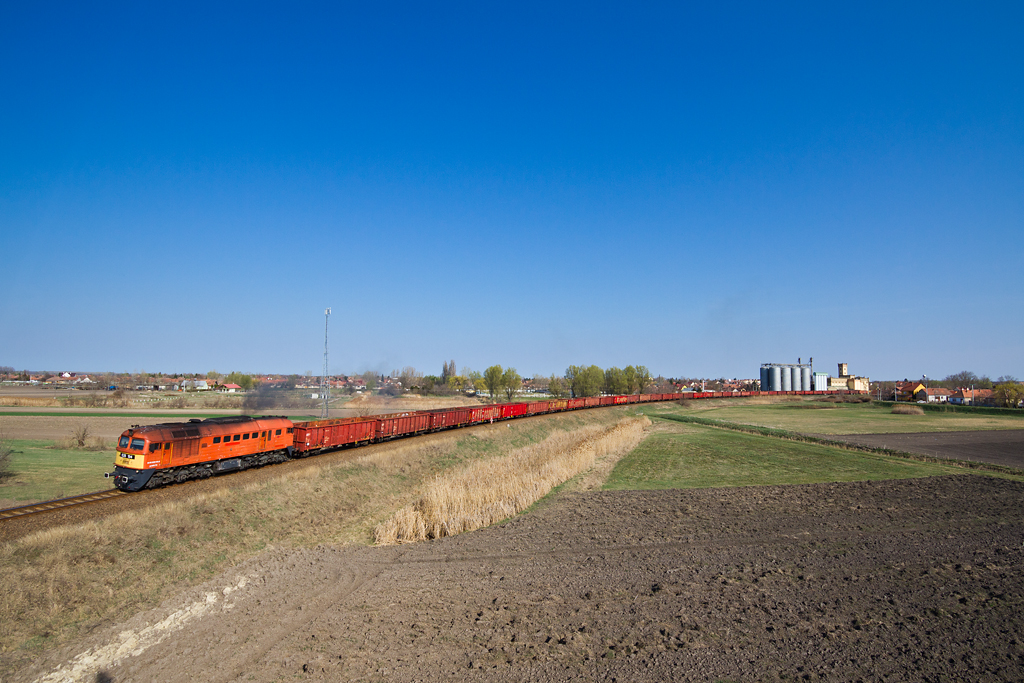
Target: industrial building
<point x="786" y="376"/>
<point x="848" y="382"/>
<point x="801" y="377"/>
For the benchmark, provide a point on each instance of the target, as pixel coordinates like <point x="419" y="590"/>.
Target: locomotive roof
<point x="191" y="427"/>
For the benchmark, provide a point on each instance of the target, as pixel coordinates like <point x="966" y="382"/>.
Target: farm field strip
<point x="814" y="417"/>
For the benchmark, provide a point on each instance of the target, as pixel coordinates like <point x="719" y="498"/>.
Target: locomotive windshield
<point x="123" y="443"/>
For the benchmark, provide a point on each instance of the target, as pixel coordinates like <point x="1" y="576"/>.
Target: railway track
<point x="47" y="506"/>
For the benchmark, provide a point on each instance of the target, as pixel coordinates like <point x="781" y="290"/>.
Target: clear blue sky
<point x="185" y="187"/>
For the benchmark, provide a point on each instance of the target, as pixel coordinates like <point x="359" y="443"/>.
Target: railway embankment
<point x="84" y="572"/>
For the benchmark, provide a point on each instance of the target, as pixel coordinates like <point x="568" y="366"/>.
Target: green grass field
<point x="680" y="456"/>
<point x="812" y="417"/>
<point x="43" y="473"/>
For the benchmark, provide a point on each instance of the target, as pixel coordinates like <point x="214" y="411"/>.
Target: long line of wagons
<point x="155" y="455"/>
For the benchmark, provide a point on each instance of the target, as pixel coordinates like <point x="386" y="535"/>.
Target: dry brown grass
<point x="28" y="402"/>
<point x="907" y="410"/>
<point x="366" y="404"/>
<point x="491" y="490"/>
<point x="70" y="579"/>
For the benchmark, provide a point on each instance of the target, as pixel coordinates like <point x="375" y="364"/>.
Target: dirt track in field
<point x="1004" y="447"/>
<point x="897" y="581"/>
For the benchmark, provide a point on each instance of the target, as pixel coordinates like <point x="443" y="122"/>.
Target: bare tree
<point x="80" y="434"/>
<point x="409" y="377"/>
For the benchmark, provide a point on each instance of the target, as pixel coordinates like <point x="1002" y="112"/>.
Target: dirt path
<point x="898" y="581"/>
<point x="1003" y="447"/>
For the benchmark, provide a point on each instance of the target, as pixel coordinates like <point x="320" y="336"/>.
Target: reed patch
<point x="488" y="491"/>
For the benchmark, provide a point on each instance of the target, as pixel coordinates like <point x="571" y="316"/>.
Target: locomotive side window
<point x="290" y="430"/>
<point x="216" y="439"/>
<point x="279" y="432"/>
<point x="237" y="437"/>
<point x="154" y="447"/>
<point x="245" y="436"/>
<point x="263" y="435"/>
<point x="254" y="434"/>
<point x="123" y="443"/>
<point x="138" y="444"/>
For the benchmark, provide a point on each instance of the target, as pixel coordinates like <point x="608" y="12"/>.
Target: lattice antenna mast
<point x="325" y="382"/>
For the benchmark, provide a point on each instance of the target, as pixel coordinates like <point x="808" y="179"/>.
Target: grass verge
<point x="689" y="454"/>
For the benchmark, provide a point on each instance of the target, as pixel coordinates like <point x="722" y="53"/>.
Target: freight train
<point x="155" y="455"/>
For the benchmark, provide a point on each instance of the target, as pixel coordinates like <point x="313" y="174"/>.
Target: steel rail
<point x="47" y="506"/>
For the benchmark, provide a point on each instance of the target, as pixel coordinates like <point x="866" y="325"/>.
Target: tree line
<point x="578" y="381"/>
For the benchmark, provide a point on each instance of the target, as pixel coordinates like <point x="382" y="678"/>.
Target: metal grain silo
<point x="805" y="379"/>
<point x="787" y="378"/>
<point x="775" y="381"/>
<point x="764" y="378"/>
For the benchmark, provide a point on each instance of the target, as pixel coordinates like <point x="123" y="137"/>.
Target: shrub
<point x="5" y="456"/>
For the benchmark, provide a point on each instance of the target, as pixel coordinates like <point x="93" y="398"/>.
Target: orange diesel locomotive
<point x="154" y="455"/>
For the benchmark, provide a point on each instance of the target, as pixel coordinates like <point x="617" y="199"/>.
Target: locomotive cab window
<point x="290" y="430"/>
<point x="278" y="433"/>
<point x="216" y="439"/>
<point x="263" y="435"/>
<point x="123" y="443"/>
<point x="138" y="445"/>
<point x="154" y="447"/>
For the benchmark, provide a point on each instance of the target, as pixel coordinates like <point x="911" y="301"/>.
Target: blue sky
<point x="699" y="190"/>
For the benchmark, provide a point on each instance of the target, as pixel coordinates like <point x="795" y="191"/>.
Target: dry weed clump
<point x="907" y="410"/>
<point x="489" y="491"/>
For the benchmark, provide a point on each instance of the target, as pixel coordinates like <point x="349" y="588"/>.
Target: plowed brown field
<point x="897" y="581"/>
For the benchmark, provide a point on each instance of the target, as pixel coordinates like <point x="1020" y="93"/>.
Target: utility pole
<point x="325" y="382"/>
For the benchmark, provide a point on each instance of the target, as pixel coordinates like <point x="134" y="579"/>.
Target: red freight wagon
<point x="644" y="398"/>
<point x="558" y="404"/>
<point x="444" y="418"/>
<point x="484" y="413"/>
<point x="512" y="410"/>
<point x="619" y="400"/>
<point x="608" y="400"/>
<point x="538" y="407"/>
<point x="321" y="434"/>
<point x="575" y="403"/>
<point x="633" y="398"/>
<point x="402" y="424"/>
